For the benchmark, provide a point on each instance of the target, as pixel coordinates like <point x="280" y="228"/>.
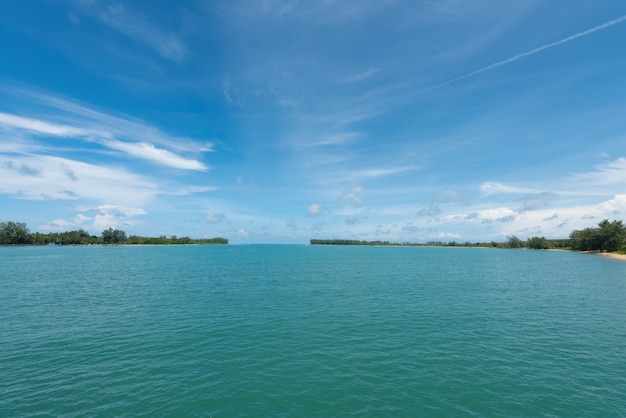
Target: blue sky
<point x="279" y="121"/>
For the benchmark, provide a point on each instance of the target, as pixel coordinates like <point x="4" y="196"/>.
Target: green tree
<point x="514" y="242"/>
<point x="113" y="236"/>
<point x="14" y="233"/>
<point x="609" y="236"/>
<point x="612" y="235"/>
<point x="538" y="243"/>
<point x="586" y="239"/>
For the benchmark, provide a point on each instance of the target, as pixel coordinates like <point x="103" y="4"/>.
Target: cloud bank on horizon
<point x="280" y="122"/>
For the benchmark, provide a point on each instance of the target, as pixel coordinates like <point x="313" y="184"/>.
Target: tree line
<point x="607" y="236"/>
<point x="17" y="233"/>
<point x="512" y="242"/>
<point x="347" y="242"/>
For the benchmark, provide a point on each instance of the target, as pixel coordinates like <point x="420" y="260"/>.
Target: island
<point x="609" y="237"/>
<point x="17" y="233"/>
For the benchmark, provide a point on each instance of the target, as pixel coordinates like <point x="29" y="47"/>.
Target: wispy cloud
<point x="339" y="175"/>
<point x="75" y="114"/>
<point x="361" y="76"/>
<point x="168" y="45"/>
<point x="353" y="196"/>
<point x="536" y="201"/>
<point x="142" y="150"/>
<point x="532" y="52"/>
<point x="446" y="196"/>
<point x="38" y="126"/>
<point x="383" y="172"/>
<point x="490" y="188"/>
<point x="600" y="181"/>
<point x="215" y="217"/>
<point x="336" y="139"/>
<point x="328" y="12"/>
<point x="47" y="177"/>
<point x="609" y="174"/>
<point x="226" y="91"/>
<point x="321" y="115"/>
<point x="22" y="168"/>
<point x="151" y="153"/>
<point x="71" y="120"/>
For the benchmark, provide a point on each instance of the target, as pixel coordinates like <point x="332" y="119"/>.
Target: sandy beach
<point x="614" y="255"/>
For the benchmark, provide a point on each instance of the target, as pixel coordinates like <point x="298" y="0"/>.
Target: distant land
<point x="607" y="237"/>
<point x="512" y="242"/>
<point x="17" y="233"/>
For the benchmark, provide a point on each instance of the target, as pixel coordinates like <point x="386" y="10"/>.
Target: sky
<point x="266" y="121"/>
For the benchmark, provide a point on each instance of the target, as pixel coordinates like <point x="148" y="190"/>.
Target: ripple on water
<point x="294" y="330"/>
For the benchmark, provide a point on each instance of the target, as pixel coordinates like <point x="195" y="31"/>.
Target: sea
<point x="304" y="331"/>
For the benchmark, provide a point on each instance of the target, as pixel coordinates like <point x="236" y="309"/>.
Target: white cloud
<point x="566" y="218"/>
<point x="383" y="172"/>
<point x="314" y="210"/>
<point x="431" y="210"/>
<point x="149" y="152"/>
<point x="22" y="168"/>
<point x="72" y="120"/>
<point x="534" y="201"/>
<point x="446" y="196"/>
<point x="47" y="177"/>
<point x="336" y="139"/>
<point x="614" y="206"/>
<point x="495" y="214"/>
<point x="601" y="181"/>
<point x="522" y="210"/>
<point x="449" y="195"/>
<point x="104" y="217"/>
<point x="114" y="216"/>
<point x="447" y="235"/>
<point x="62" y="225"/>
<point x="352" y="196"/>
<point x="551" y="218"/>
<point x="34" y="125"/>
<point x="94" y="122"/>
<point x="490" y="188"/>
<point x="610" y="174"/>
<point x="330" y="176"/>
<point x="58" y="225"/>
<point x="182" y="190"/>
<point x="215" y="217"/>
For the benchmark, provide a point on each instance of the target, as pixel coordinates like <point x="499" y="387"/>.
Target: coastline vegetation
<point x="512" y="242"/>
<point x="17" y="233"/>
<point x="607" y="237"/>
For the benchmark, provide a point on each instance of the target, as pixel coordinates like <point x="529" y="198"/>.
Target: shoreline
<point x="614" y="256"/>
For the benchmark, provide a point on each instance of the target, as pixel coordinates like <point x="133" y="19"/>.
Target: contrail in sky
<point x="533" y="51"/>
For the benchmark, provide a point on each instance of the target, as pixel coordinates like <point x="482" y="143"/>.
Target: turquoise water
<point x="267" y="330"/>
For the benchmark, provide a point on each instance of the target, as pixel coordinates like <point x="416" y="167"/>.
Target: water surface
<point x="302" y="331"/>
